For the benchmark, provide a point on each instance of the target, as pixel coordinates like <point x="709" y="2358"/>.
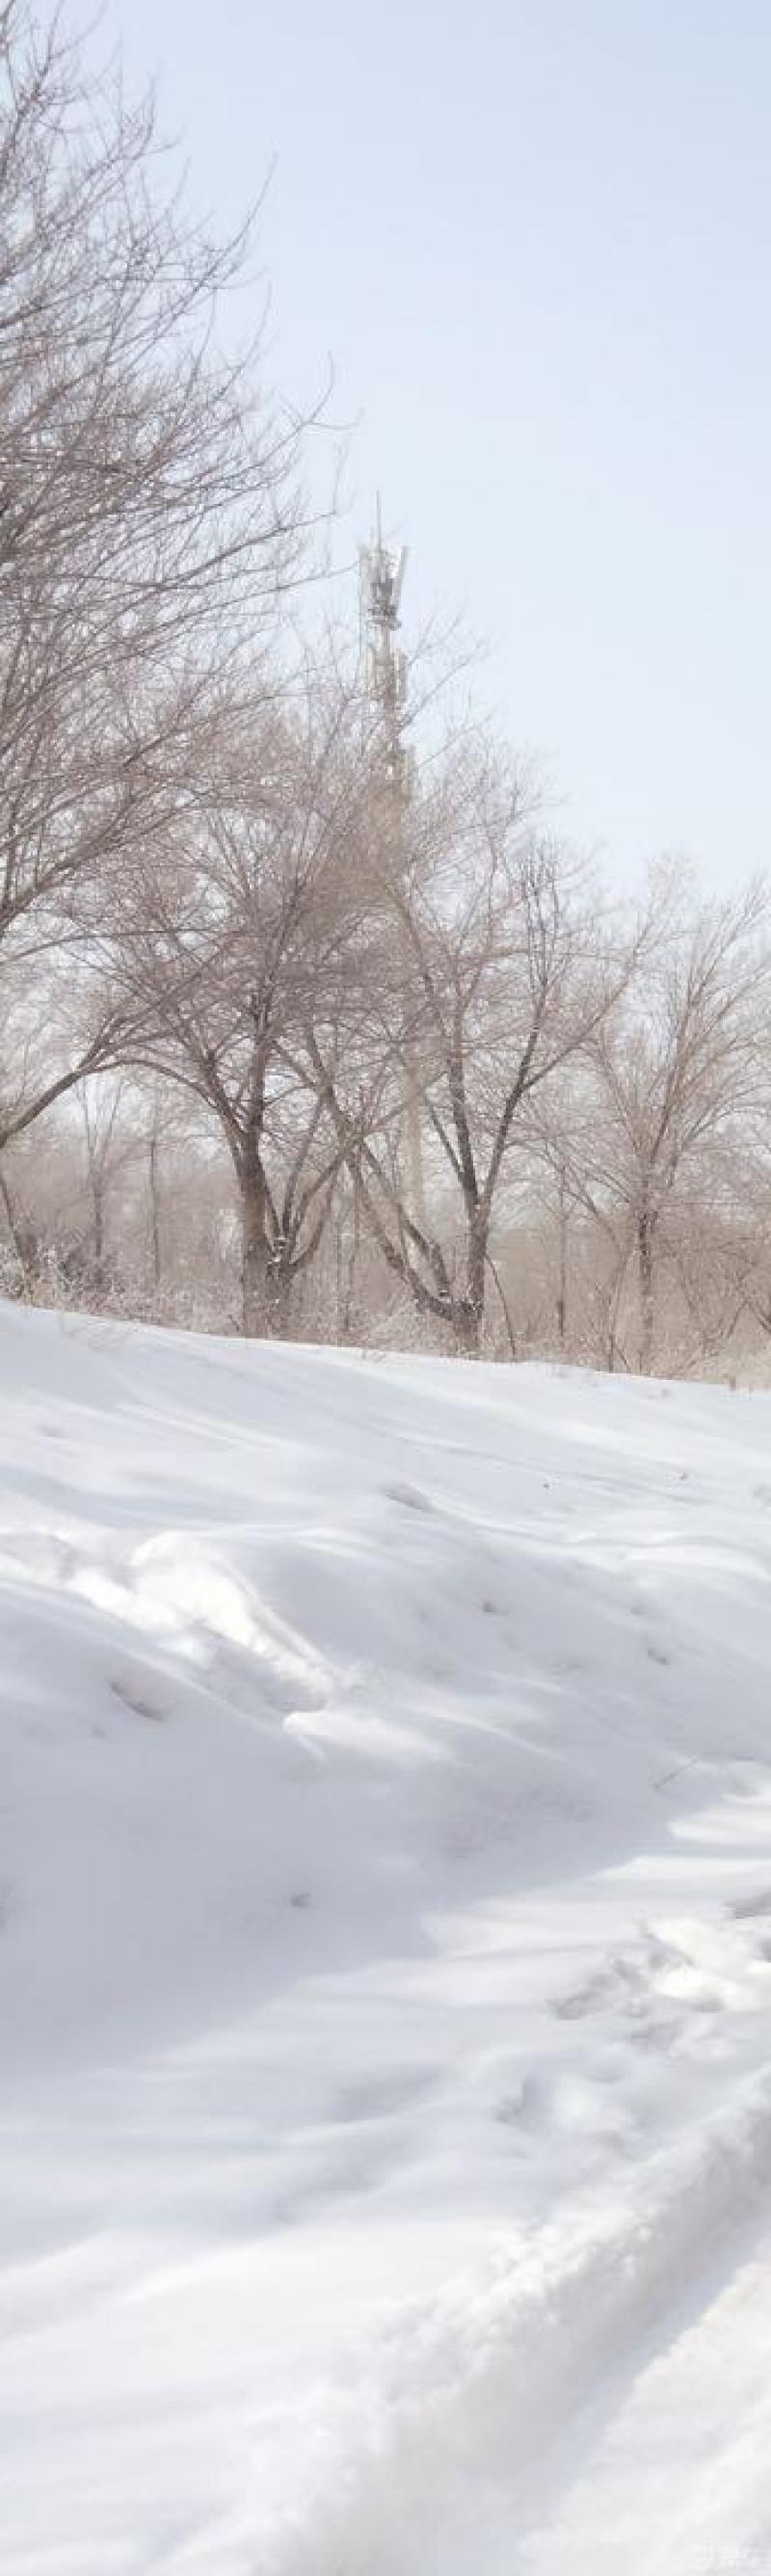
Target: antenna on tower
<point x="381" y="577"/>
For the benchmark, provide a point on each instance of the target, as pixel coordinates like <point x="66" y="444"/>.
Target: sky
<point x="534" y="236"/>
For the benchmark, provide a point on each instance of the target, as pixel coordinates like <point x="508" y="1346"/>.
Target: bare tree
<point x="679" y="1063"/>
<point x="225" y="955"/>
<point x="106" y="1126"/>
<point x="488" y="975"/>
<point x="150" y="516"/>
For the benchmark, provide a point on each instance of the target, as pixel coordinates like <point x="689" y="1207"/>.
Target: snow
<point x="385" y="1965"/>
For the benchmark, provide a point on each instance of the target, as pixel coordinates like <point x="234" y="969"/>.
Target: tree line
<point x="284" y="1049"/>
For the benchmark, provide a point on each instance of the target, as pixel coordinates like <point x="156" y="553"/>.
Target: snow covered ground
<point x="385" y="1966"/>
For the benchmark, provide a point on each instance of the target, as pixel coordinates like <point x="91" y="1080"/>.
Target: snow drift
<point x="385" y="1961"/>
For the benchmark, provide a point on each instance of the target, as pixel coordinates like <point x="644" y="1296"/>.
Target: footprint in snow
<point x="139" y="1700"/>
<point x="608" y="1985"/>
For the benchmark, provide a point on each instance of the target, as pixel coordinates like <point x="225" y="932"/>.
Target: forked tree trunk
<point x="467" y="1324"/>
<point x="280" y="1300"/>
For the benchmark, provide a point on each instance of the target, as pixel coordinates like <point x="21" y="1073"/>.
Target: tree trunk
<point x="97" y="1230"/>
<point x="469" y="1310"/>
<point x="466" y="1323"/>
<point x="646" y="1227"/>
<point x="279" y="1295"/>
<point x="155" y="1211"/>
<point x="562" y="1272"/>
<point x="24" y="1241"/>
<point x="346" y="1293"/>
<point x="254" y="1257"/>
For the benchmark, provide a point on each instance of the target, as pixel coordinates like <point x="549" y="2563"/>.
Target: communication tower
<point x="381" y="579"/>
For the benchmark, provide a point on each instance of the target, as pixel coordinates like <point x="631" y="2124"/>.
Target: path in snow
<point x="679" y="2484"/>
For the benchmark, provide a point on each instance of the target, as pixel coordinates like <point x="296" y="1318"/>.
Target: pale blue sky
<point x="536" y="238"/>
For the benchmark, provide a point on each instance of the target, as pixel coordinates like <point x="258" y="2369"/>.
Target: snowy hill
<point x="385" y="1965"/>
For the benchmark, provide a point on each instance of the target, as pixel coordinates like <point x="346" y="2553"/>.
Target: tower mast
<point x="382" y="570"/>
<point x="381" y="578"/>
